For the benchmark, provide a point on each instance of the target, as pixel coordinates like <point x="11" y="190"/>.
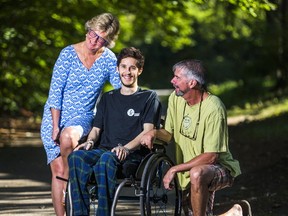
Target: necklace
<point x="194" y="137"/>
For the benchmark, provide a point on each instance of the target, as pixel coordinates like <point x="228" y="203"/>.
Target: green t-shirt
<point x="212" y="132"/>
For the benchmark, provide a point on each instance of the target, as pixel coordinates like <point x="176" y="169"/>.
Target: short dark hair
<point x="133" y="53"/>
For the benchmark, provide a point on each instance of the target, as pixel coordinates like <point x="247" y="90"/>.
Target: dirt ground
<point x="264" y="178"/>
<point x="25" y="177"/>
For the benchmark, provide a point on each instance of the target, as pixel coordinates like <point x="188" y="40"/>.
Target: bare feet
<point x="236" y="210"/>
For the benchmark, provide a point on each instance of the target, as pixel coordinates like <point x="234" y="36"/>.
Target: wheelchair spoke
<point x="158" y="200"/>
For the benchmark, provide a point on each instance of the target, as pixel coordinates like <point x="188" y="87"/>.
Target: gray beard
<point x="179" y="93"/>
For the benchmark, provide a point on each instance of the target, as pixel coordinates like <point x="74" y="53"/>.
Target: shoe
<point x="245" y="205"/>
<point x="235" y="210"/>
<point x="221" y="208"/>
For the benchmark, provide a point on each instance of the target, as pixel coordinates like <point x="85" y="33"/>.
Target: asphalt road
<point x="24" y="181"/>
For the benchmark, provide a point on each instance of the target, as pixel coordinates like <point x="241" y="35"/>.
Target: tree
<point x="34" y="32"/>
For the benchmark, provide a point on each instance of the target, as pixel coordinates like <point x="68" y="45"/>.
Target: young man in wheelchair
<point x="122" y="117"/>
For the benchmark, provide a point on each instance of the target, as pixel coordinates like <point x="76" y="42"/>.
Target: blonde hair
<point x="107" y="23"/>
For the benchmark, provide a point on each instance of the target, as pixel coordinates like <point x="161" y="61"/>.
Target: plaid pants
<point x="222" y="179"/>
<point x="81" y="165"/>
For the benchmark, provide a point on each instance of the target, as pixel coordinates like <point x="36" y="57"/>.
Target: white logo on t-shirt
<point x="130" y="112"/>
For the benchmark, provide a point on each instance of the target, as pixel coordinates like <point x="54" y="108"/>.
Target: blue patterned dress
<point x="74" y="90"/>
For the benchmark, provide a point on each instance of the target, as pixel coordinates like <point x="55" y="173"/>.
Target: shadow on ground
<point x="27" y="162"/>
<point x="25" y="181"/>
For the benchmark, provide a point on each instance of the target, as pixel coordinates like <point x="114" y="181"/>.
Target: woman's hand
<point x="56" y="135"/>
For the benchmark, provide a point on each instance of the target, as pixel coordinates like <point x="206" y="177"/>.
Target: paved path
<point x="24" y="182"/>
<point x="25" y="179"/>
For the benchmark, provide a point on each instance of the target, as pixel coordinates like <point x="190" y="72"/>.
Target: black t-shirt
<point x="121" y="117"/>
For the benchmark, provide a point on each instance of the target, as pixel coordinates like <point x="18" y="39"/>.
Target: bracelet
<point x="124" y="148"/>
<point x="90" y="141"/>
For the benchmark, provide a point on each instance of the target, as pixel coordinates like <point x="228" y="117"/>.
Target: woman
<point x="79" y="74"/>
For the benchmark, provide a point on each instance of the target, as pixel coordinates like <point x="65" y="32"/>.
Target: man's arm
<point x="202" y="159"/>
<point x="123" y="151"/>
<point x="91" y="139"/>
<point x="161" y="134"/>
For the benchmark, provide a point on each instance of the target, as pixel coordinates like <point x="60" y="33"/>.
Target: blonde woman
<point x="79" y="75"/>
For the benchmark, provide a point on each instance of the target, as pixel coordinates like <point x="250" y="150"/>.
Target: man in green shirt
<point x="197" y="121"/>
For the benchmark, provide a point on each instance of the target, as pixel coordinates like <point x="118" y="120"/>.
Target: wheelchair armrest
<point x="159" y="146"/>
<point x="160" y="142"/>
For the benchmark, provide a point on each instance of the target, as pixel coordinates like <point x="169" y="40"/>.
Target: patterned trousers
<point x="81" y="165"/>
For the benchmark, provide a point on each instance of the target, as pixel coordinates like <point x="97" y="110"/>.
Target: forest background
<point x="243" y="43"/>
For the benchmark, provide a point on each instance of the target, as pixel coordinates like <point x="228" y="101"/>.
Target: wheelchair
<point x="146" y="189"/>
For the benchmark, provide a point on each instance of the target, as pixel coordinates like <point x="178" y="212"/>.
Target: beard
<point x="129" y="83"/>
<point x="179" y="93"/>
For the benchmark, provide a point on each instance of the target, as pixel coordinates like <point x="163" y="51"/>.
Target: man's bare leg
<point x="199" y="200"/>
<point x="200" y="178"/>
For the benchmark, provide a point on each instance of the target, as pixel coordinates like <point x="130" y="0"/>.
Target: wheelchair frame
<point x="148" y="187"/>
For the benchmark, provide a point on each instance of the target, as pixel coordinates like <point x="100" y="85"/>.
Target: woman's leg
<point x="57" y="186"/>
<point x="68" y="141"/>
<point x="73" y="130"/>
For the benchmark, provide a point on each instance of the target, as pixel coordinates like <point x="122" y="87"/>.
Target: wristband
<point x="125" y="148"/>
<point x="90" y="141"/>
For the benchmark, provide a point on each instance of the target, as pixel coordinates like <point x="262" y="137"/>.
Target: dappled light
<point x="243" y="44"/>
<point x="227" y="35"/>
<point x="258" y="111"/>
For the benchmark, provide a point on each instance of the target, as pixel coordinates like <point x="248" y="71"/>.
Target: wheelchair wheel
<point x="93" y="200"/>
<point x="68" y="201"/>
<point x="156" y="200"/>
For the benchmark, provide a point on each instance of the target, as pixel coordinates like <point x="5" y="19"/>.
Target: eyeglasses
<point x="187" y="121"/>
<point x="93" y="34"/>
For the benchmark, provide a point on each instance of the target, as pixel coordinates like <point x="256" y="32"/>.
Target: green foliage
<point x="258" y="104"/>
<point x="224" y="87"/>
<point x="262" y="109"/>
<point x="226" y="34"/>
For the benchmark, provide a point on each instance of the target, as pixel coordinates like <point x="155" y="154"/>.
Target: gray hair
<point x="192" y="69"/>
<point x="107" y="23"/>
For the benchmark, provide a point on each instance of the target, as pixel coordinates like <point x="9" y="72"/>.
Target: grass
<point x="261" y="110"/>
<point x="256" y="103"/>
